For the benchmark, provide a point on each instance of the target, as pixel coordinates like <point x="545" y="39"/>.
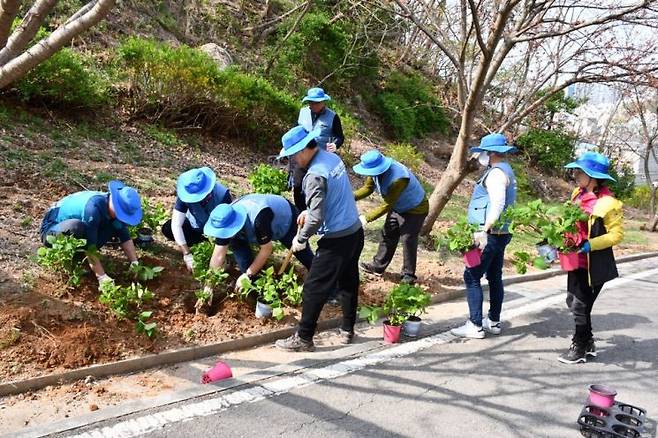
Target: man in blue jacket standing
<point x="96" y="217"/>
<point x="254" y="219"/>
<point x="197" y="194"/>
<point x="405" y="206"/>
<point x="494" y="192"/>
<point x="331" y="212"/>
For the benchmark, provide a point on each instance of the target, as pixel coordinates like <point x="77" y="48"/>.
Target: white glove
<point x="297" y="245"/>
<point x="134" y="263"/>
<point x="331" y="147"/>
<point x="102" y="279"/>
<point x="363" y="220"/>
<point x="239" y="283"/>
<point x="301" y="218"/>
<point x="480" y="239"/>
<point x="188" y="259"/>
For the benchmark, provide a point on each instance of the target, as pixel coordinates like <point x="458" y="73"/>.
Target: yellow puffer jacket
<point x="610" y="210"/>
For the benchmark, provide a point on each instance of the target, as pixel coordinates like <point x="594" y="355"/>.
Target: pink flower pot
<point x="219" y="372"/>
<point x="472" y="257"/>
<point x="391" y="333"/>
<point x="602" y="396"/>
<point x="568" y="261"/>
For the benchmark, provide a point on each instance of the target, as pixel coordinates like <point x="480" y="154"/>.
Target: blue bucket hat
<point x="373" y="163"/>
<point x="225" y="221"/>
<point x="195" y="184"/>
<point x="126" y="203"/>
<point x="316" y="95"/>
<point x="593" y="164"/>
<point x="296" y="139"/>
<point x="494" y="143"/>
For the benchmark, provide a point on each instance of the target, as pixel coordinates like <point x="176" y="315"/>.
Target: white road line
<point x="148" y="423"/>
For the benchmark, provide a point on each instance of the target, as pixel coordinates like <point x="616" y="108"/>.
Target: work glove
<point x="331" y="147"/>
<point x="363" y="220"/>
<point x="188" y="259"/>
<point x="585" y="247"/>
<point x="103" y="279"/>
<point x="297" y="245"/>
<point x="239" y="284"/>
<point x="480" y="239"/>
<point x="134" y="263"/>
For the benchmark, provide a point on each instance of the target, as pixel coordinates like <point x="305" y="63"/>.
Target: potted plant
<point x="459" y="238"/>
<point x="413" y="302"/>
<point x="561" y="231"/>
<point x="266" y="287"/>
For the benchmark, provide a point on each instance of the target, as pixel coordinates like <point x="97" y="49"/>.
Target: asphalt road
<point x="505" y="386"/>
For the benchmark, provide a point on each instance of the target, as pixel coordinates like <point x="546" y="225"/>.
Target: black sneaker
<point x="370" y="268"/>
<point x="590" y="348"/>
<point x="576" y="354"/>
<point x="295" y="343"/>
<point x="345" y="337"/>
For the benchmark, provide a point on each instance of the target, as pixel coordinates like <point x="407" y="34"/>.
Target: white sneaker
<point x="468" y="330"/>
<point x="493" y="327"/>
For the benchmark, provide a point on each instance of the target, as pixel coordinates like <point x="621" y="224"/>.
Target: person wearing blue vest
<point x="197" y="194"/>
<point x="96" y="217"/>
<point x="253" y="219"/>
<point x="405" y="206"/>
<point x="494" y="192"/>
<point x="332" y="214"/>
<point x="316" y="116"/>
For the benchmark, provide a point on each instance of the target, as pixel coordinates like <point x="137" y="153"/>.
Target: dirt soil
<point x="45" y="327"/>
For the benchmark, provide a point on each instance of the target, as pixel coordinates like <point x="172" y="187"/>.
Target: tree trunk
<point x="28" y="28"/>
<point x="44" y="49"/>
<point x="453" y="175"/>
<point x="653" y="221"/>
<point x="8" y="11"/>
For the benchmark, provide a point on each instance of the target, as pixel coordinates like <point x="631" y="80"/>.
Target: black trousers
<point x="580" y="300"/>
<point x="296" y="175"/>
<point x="336" y="264"/>
<point x="192" y="235"/>
<point x="405" y="227"/>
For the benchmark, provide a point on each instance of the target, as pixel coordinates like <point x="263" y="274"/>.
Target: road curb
<point x="192" y="353"/>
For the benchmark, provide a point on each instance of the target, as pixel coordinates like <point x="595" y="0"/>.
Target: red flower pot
<point x="391" y="333"/>
<point x="472" y="258"/>
<point x="569" y="261"/>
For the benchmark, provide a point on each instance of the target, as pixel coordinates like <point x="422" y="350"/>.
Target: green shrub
<point x="65" y="256"/>
<point x="641" y="197"/>
<point x="182" y="86"/>
<point x="548" y="149"/>
<point x="409" y="106"/>
<point x="406" y="154"/>
<point x="267" y="179"/>
<point x="124" y="302"/>
<point x="624" y="175"/>
<point x="65" y="80"/>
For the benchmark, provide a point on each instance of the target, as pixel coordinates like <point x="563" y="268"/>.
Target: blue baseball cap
<point x="373" y="163"/>
<point x="296" y="139"/>
<point x="195" y="184"/>
<point x="316" y="95"/>
<point x="494" y="143"/>
<point x="126" y="203"/>
<point x="595" y="165"/>
<point x="225" y="221"/>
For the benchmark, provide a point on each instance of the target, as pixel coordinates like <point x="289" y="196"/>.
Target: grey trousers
<point x="405" y="227"/>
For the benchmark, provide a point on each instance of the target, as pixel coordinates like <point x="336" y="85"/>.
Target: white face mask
<point x="483" y="158"/>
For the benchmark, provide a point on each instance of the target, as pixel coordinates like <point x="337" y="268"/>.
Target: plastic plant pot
<point x="602" y="396"/>
<point x="392" y="333"/>
<point x="411" y="326"/>
<point x="219" y="372"/>
<point x="568" y="261"/>
<point x="263" y="310"/>
<point x="144" y="237"/>
<point x="548" y="252"/>
<point x="472" y="257"/>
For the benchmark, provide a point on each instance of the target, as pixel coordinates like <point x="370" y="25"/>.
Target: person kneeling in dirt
<point x="405" y="206"/>
<point x="96" y="217"/>
<point x="332" y="213"/>
<point x="197" y="194"/>
<point x="253" y="219"/>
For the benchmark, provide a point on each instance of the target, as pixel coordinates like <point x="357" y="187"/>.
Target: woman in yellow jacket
<point x="598" y="235"/>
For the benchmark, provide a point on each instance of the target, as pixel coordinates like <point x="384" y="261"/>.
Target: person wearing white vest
<point x="330" y="138"/>
<point x="493" y="193"/>
<point x="332" y="214"/>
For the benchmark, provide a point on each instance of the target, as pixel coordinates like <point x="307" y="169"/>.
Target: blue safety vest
<point x="73" y="206"/>
<point x="198" y="213"/>
<point x="340" y="212"/>
<point x="256" y="203"/>
<point x="324" y="121"/>
<point x="477" y="207"/>
<point x="410" y="197"/>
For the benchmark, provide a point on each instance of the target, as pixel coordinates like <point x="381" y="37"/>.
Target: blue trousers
<point x="492" y="264"/>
